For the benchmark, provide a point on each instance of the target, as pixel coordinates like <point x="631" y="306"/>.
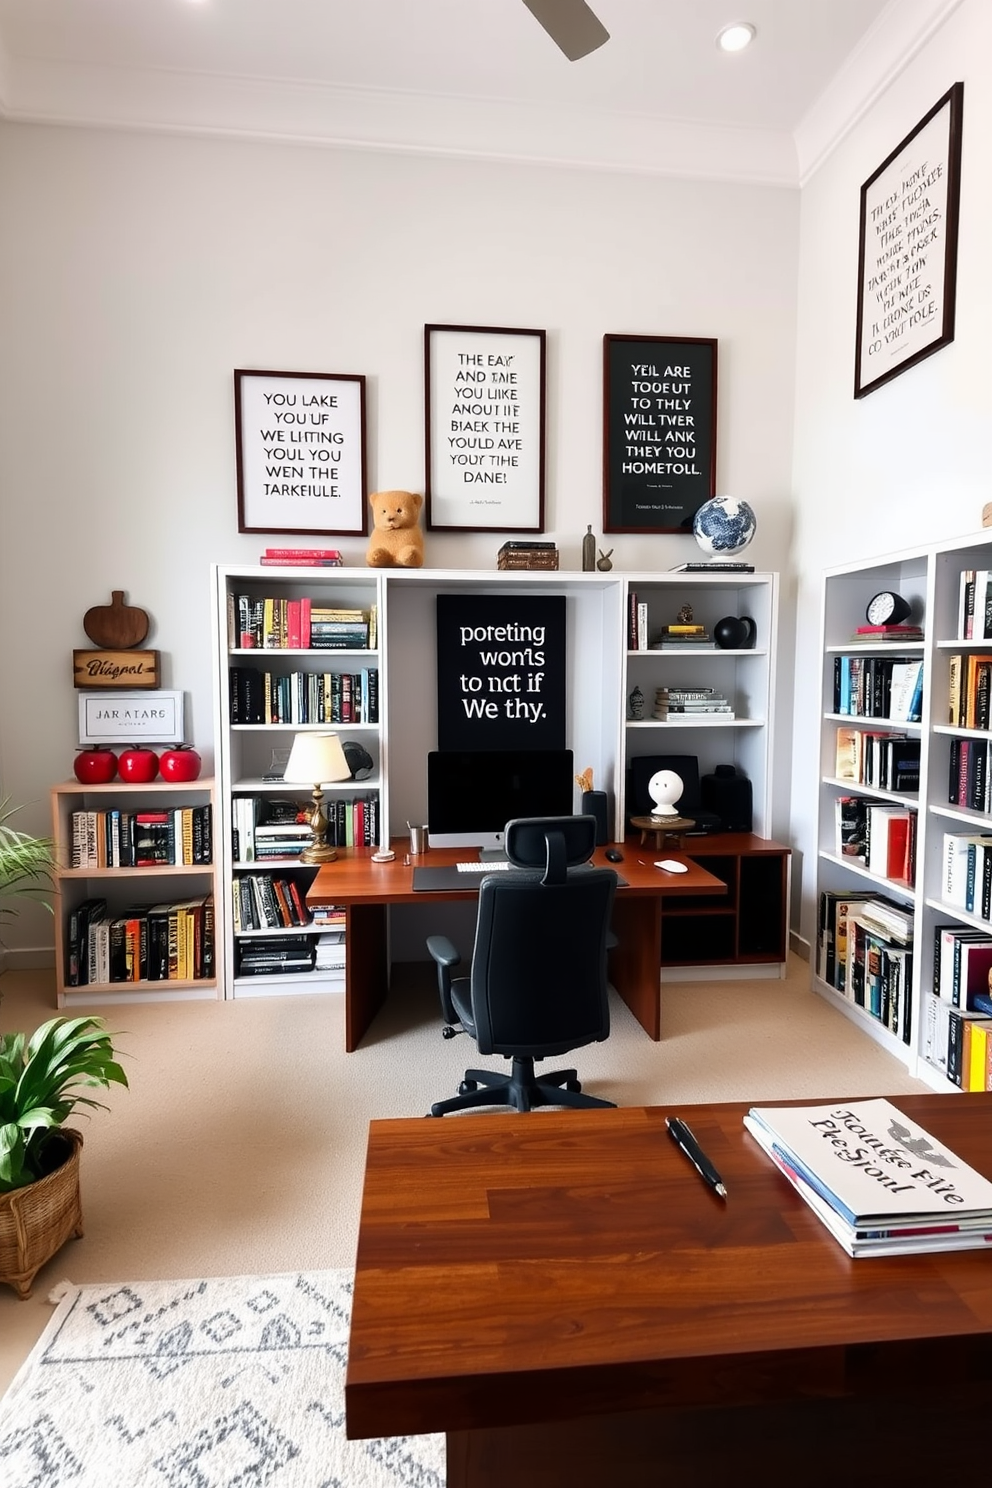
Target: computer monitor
<point x="472" y="795"/>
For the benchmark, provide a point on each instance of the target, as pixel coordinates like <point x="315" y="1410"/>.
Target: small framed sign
<point x="131" y="717"/>
<point x="907" y="251"/>
<point x="485" y="398"/>
<point x="301" y="452"/>
<point x="659" y="431"/>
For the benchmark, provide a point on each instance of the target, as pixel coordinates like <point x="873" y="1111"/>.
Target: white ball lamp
<point x="665" y="788"/>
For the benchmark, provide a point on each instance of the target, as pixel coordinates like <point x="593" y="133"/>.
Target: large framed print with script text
<point x="301" y="452"/>
<point x="908" y="248"/>
<point x="485" y="391"/>
<point x="659" y="431"/>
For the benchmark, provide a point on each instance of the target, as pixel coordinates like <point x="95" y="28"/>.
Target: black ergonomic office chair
<point x="537" y="985"/>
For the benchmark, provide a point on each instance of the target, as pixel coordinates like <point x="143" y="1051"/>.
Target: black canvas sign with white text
<point x="500" y="671"/>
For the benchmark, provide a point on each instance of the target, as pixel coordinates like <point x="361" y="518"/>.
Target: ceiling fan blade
<point x="571" y="25"/>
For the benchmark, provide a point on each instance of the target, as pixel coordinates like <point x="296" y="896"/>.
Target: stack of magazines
<point x="880" y="1183"/>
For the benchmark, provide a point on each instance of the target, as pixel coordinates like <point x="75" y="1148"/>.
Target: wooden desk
<point x="367" y="889"/>
<point x="562" y="1295"/>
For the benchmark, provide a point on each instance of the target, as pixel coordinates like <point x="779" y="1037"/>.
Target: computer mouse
<point x="613" y="855"/>
<point x="670" y="866"/>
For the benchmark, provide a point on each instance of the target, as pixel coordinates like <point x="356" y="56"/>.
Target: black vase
<point x="735" y="633"/>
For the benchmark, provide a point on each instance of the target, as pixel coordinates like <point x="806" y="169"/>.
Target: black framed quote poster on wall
<point x="907" y="249"/>
<point x="500" y="672"/>
<point x="301" y="452"/>
<point x="484" y="406"/>
<point x="659" y="431"/>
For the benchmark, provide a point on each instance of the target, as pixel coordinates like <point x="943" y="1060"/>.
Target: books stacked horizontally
<point x="514" y="555"/>
<point x="330" y="951"/>
<point x="275" y="955"/>
<point x="690" y="702"/>
<point x="334" y="628"/>
<point x="683" y="638"/>
<point x="874" y="633"/>
<point x="301" y="558"/>
<point x="880" y="1184"/>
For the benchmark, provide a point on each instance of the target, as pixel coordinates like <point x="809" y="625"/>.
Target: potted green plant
<point x="42" y="1080"/>
<point x="26" y="863"/>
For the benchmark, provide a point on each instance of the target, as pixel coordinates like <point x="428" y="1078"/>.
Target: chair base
<point x="521" y="1088"/>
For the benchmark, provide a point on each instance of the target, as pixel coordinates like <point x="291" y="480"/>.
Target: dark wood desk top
<point x="533" y="1268"/>
<point x="354" y="878"/>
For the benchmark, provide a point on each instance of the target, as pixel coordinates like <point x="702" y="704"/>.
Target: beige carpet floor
<point x="240" y="1145"/>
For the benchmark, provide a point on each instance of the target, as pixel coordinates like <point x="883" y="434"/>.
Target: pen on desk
<point x="686" y="1142"/>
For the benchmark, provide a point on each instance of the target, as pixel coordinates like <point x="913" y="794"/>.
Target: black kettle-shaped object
<point x="735" y="633"/>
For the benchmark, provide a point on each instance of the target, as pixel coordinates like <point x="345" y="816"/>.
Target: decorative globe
<point x="724" y="526"/>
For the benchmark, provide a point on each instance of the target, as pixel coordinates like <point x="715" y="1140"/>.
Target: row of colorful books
<point x="969" y="781"/>
<point x="115" y="838"/>
<point x="264" y="902"/>
<point x="969" y="691"/>
<point x="865" y="951"/>
<point x="172" y="941"/>
<point x="957" y="1023"/>
<point x="884" y="760"/>
<point x="259" y="834"/>
<point x="278" y="623"/>
<point x="879" y="834"/>
<point x="879" y="687"/>
<point x="967" y="872"/>
<point x="303" y="697"/>
<point x="975" y="604"/>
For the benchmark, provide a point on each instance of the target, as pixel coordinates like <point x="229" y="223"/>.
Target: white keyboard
<point x="495" y="867"/>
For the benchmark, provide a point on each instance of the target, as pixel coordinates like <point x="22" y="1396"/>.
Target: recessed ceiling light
<point x="736" y="37"/>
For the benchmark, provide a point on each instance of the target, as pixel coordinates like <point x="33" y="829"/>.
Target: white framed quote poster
<point x="485" y="400"/>
<point x="907" y="252"/>
<point x="301" y="452"/>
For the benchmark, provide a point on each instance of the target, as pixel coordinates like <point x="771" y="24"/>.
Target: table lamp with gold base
<point x="320" y="758"/>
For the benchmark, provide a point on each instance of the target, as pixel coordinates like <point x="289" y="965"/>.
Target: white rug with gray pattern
<point x="231" y="1382"/>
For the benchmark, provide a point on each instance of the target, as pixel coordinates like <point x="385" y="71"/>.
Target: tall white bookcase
<point x="930" y="577"/>
<point x="601" y="672"/>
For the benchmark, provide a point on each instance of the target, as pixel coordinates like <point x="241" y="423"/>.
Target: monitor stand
<point x="492" y="855"/>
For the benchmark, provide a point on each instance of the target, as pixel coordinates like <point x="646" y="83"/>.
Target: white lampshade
<point x="317" y="758"/>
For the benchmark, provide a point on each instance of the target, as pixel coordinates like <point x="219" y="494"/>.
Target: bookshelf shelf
<point x="933" y="578"/>
<point x="127" y="891"/>
<point x="600" y="674"/>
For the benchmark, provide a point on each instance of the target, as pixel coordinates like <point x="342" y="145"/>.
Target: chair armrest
<point x="442" y="950"/>
<point x="444" y="953"/>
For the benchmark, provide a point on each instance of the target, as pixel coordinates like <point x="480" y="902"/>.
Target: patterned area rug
<point x="234" y="1382"/>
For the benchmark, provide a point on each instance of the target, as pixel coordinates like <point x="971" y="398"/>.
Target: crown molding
<point x="407" y="122"/>
<point x="887" y="48"/>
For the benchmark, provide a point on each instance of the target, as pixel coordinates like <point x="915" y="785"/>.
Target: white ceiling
<point x="473" y="77"/>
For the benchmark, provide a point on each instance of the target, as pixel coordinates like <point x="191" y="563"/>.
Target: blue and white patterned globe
<point x="724" y="526"/>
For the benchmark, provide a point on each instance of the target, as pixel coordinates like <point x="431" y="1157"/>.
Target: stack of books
<point x="675" y="702"/>
<point x="682" y="638"/>
<point x="301" y="558"/>
<point x="872" y="633"/>
<point x="338" y="629"/>
<point x="275" y="955"/>
<point x="880" y="1184"/>
<point x="515" y="555"/>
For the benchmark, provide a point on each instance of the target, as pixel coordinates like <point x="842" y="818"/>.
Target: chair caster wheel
<point x="573" y="1085"/>
<point x="467" y="1086"/>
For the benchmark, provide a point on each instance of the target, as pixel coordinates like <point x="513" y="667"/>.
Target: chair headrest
<point x="550" y="842"/>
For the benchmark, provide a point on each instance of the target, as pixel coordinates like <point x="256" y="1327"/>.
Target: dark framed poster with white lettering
<point x="908" y="248"/>
<point x="301" y="452"/>
<point x="659" y="431"/>
<point x="485" y="401"/>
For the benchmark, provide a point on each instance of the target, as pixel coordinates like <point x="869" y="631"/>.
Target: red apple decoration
<point x="95" y="766"/>
<point x="138" y="766"/>
<point x="181" y="763"/>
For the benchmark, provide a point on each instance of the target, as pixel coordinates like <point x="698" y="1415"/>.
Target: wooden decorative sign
<point x="115" y="669"/>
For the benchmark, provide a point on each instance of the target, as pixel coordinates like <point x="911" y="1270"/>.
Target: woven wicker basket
<point x="36" y="1221"/>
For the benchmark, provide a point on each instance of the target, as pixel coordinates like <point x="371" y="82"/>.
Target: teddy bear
<point x="396" y="540"/>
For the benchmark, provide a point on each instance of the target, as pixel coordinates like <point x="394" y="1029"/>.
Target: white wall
<point x="138" y="270"/>
<point x="911" y="461"/>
